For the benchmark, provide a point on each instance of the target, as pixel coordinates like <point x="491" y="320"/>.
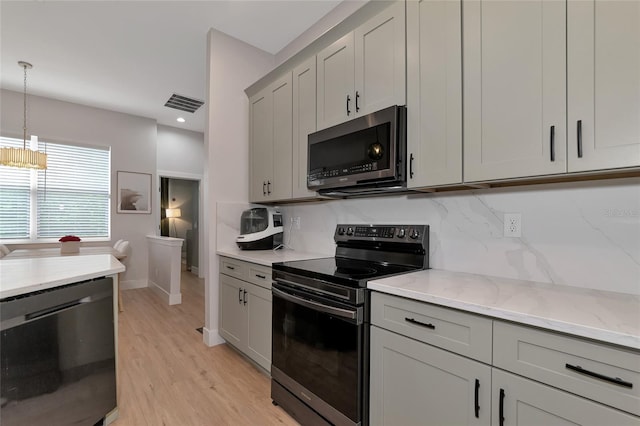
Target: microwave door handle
<point x="339" y="312"/>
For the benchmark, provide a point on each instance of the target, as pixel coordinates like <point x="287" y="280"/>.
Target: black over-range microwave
<point x="366" y="155"/>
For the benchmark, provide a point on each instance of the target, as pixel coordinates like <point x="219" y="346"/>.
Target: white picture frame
<point x="133" y="192"/>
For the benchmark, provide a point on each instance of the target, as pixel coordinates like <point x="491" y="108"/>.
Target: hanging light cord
<point x="24" y="127"/>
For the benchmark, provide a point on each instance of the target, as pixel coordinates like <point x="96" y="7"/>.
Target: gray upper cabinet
<point x="363" y="71"/>
<point x="434" y="95"/>
<point x="270" y="133"/>
<point x="260" y="137"/>
<point x="603" y="84"/>
<point x="380" y="61"/>
<point x="304" y="122"/>
<point x="514" y="88"/>
<point x="336" y="82"/>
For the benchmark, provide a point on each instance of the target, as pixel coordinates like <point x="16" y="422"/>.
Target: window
<point x="71" y="197"/>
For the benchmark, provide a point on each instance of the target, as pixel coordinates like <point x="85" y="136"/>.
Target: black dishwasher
<point x="57" y="355"/>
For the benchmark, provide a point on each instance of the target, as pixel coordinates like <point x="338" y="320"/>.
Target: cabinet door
<point x="603" y="84"/>
<point x="524" y="402"/>
<point x="336" y="102"/>
<point x="514" y="88"/>
<point x="233" y="317"/>
<point x="259" y="325"/>
<point x="279" y="183"/>
<point x="304" y="122"/>
<point x="380" y="61"/>
<point x="434" y="95"/>
<point x="413" y="383"/>
<point x="261" y="144"/>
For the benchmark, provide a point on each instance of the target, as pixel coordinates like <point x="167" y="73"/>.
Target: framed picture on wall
<point x="134" y="192"/>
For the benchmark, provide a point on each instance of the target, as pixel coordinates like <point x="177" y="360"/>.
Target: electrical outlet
<point x="512" y="225"/>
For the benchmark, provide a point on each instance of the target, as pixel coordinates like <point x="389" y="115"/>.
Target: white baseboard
<point x="211" y="337"/>
<point x="170" y="299"/>
<point x="194" y="270"/>
<point x="131" y="284"/>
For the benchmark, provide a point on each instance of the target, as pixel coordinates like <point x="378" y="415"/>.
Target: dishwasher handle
<point x="55" y="309"/>
<point x="51" y="310"/>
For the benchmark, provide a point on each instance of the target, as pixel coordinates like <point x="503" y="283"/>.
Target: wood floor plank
<point x="167" y="376"/>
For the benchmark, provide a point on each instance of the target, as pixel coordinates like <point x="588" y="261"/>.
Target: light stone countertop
<point x="25" y="275"/>
<point x="268" y="257"/>
<point x="605" y="316"/>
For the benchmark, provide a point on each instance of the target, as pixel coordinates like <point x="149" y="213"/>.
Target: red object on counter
<point x="68" y="238"/>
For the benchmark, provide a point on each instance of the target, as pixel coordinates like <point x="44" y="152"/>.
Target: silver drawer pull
<point x="422" y="324"/>
<point x="230" y="267"/>
<point x="615" y="380"/>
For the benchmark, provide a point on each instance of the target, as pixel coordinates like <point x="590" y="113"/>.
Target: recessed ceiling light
<point x="180" y="120"/>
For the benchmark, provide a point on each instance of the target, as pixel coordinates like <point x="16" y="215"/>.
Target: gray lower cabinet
<point x="524" y="402"/>
<point x="413" y="383"/>
<point x="436" y="366"/>
<point x="245" y="309"/>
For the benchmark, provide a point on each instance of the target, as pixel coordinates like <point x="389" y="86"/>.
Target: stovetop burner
<point x="354" y="272"/>
<point x="366" y="252"/>
<point x="350" y="272"/>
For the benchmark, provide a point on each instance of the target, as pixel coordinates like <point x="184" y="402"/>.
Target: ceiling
<point x="131" y="56"/>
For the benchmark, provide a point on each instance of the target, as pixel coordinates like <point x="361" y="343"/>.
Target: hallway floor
<point x="168" y="376"/>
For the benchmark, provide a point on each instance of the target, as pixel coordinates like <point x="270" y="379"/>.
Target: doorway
<point x="179" y="218"/>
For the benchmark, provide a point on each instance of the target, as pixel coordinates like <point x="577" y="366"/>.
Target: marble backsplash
<point x="584" y="234"/>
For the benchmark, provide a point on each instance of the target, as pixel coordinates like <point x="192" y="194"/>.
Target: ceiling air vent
<point x="183" y="103"/>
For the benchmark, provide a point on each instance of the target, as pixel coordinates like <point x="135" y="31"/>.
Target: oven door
<point x="317" y="352"/>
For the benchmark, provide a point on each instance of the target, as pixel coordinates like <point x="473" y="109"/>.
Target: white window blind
<point x="75" y="199"/>
<point x="15" y="198"/>
<point x="71" y="197"/>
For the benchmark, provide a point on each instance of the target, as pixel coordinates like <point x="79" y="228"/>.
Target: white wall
<point x="181" y="155"/>
<point x="180" y="150"/>
<point x="133" y="148"/>
<point x="232" y="66"/>
<point x="583" y="234"/>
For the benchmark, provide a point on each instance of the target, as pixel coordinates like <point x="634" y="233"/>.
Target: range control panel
<point x="395" y="233"/>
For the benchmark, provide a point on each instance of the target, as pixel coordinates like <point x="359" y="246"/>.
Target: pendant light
<point x="23" y="157"/>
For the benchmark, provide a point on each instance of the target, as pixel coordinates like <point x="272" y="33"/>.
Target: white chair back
<point x="124" y="247"/>
<point x="117" y="244"/>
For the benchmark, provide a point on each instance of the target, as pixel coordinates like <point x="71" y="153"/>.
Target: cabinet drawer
<point x="234" y="268"/>
<point x="603" y="373"/>
<point x="260" y="275"/>
<point x="465" y="334"/>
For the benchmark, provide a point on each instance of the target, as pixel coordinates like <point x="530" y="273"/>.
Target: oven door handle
<point x="339" y="312"/>
<point x="297" y="284"/>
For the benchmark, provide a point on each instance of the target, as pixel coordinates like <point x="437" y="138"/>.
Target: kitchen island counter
<point x="25" y="275"/>
<point x="605" y="316"/>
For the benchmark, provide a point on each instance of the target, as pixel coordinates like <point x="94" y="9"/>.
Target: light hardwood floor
<point x="167" y="376"/>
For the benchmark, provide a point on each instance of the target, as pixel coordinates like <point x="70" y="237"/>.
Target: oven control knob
<point x="340" y="231"/>
<point x="401" y="233"/>
<point x="349" y="231"/>
<point x="414" y="234"/>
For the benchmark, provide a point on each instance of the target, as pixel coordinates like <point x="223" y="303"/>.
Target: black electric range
<point x="320" y="337"/>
